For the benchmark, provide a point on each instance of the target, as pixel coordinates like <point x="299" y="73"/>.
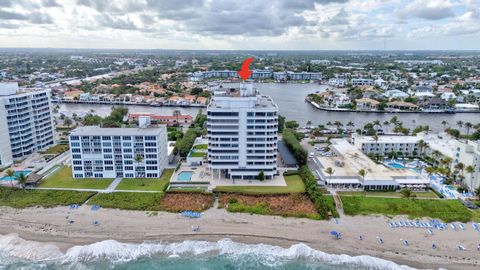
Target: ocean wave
<point x="118" y="252"/>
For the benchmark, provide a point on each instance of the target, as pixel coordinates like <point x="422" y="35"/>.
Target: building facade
<point x="242" y="132"/>
<point x="118" y="152"/>
<point x="385" y="145"/>
<point x="25" y="122"/>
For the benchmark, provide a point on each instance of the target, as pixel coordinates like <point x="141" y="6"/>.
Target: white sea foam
<point x="117" y="252"/>
<point x="13" y="245"/>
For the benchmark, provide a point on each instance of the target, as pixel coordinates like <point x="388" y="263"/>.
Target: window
<point x="76" y="150"/>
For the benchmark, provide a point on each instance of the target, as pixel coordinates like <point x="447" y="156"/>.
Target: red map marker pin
<point x="244" y="72"/>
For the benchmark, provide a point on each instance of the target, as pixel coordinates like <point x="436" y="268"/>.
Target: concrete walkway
<point x="114" y="185"/>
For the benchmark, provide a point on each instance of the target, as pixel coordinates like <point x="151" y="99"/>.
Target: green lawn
<point x="128" y="200"/>
<point x="18" y="198"/>
<point x="63" y="179"/>
<point x="197" y="154"/>
<point x="294" y="185"/>
<point x="56" y="149"/>
<point x="427" y="194"/>
<point x="201" y="147"/>
<point x="447" y="210"/>
<point x="151" y="184"/>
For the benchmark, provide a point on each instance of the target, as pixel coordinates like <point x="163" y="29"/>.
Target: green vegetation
<point x="321" y="204"/>
<point x="427" y="194"/>
<point x="129" y="200"/>
<point x="115" y="119"/>
<point x="56" y="149"/>
<point x="150" y="184"/>
<point x="447" y="210"/>
<point x="294" y="185"/>
<point x="201" y="147"/>
<point x="63" y="179"/>
<point x="18" y="198"/>
<point x="183" y="145"/>
<point x="197" y="154"/>
<point x="294" y="145"/>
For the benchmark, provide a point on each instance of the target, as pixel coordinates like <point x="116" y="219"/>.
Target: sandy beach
<point x="51" y="226"/>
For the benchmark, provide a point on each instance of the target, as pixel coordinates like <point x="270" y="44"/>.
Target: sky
<point x="242" y="25"/>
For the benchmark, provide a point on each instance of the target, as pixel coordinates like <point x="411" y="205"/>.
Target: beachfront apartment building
<point x="118" y="152"/>
<point x="26" y="123"/>
<point x="465" y="152"/>
<point x="242" y="127"/>
<point x="385" y="145"/>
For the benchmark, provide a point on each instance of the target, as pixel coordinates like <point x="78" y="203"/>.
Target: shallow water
<point x="17" y="253"/>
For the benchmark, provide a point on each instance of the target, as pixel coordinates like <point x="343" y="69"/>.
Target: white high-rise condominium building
<point x="242" y="130"/>
<point x="112" y="152"/>
<point x="25" y="122"/>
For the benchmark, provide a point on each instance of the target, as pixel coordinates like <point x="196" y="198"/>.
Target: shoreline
<point x="50" y="226"/>
<point x="316" y="106"/>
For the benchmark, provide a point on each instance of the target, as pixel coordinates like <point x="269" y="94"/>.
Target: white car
<point x="312" y="154"/>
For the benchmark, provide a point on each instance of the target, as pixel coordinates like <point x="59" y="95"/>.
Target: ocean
<point x="16" y="253"/>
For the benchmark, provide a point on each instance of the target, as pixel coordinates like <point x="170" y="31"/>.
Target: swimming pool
<point x="15" y="175"/>
<point x="396" y="165"/>
<point x="184" y="176"/>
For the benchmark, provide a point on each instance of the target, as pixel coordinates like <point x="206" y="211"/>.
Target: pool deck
<point x="197" y="175"/>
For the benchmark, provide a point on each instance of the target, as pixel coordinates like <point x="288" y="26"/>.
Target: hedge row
<point x="315" y="194"/>
<point x="294" y="145"/>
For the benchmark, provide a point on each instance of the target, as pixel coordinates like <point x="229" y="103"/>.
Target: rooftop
<point x="387" y="139"/>
<point x="241" y="95"/>
<point x="352" y="160"/>
<point x="98" y="131"/>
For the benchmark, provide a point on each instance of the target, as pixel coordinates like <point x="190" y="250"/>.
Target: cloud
<point x="428" y="10"/>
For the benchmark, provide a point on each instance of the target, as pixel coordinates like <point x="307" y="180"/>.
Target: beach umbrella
<point x="335" y="234"/>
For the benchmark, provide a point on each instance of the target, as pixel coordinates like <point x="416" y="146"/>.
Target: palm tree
<point x="394" y="120"/>
<point x="422" y="146"/>
<point x="139" y="159"/>
<point x="444" y="123"/>
<point x="386" y="124"/>
<point x="350" y="124"/>
<point x="468" y="126"/>
<point x="430" y="170"/>
<point x="10" y="173"/>
<point x="330" y="172"/>
<point x="362" y="174"/>
<point x="377" y="123"/>
<point x="460" y="124"/>
<point x="22" y="180"/>
<point x="460" y="167"/>
<point x="309" y="123"/>
<point x="406" y="193"/>
<point x="470" y="169"/>
<point x="338" y="124"/>
<point x="176" y="114"/>
<point x="446" y="161"/>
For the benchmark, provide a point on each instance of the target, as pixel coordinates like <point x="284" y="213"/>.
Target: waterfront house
<point x="361" y="81"/>
<point x="366" y="104"/>
<point x="72" y="95"/>
<point x="402" y="105"/>
<point x="447" y="96"/>
<point x="435" y="104"/>
<point x="423" y="91"/>
<point x="395" y="93"/>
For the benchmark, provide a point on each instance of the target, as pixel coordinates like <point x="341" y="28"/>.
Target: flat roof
<point x="98" y="131"/>
<point x="353" y="160"/>
<point x="388" y="139"/>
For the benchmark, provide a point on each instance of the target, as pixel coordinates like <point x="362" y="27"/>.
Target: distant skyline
<point x="242" y="25"/>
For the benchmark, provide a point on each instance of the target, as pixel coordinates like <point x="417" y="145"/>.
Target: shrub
<point x="321" y="204"/>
